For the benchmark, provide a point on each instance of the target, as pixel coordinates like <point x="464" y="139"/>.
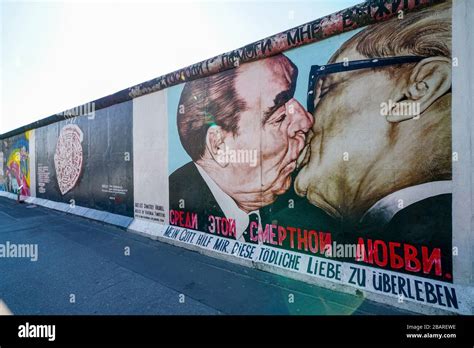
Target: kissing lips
<point x="284" y="178"/>
<point x="289" y="168"/>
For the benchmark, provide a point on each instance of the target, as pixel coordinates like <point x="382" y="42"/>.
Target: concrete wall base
<point x="156" y="231"/>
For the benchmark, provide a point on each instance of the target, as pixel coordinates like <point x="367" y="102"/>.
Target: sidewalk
<point x="82" y="268"/>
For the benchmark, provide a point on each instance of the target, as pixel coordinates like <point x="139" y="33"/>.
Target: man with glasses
<point x="375" y="169"/>
<point x="384" y="169"/>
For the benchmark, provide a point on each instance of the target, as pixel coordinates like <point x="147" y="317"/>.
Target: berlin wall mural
<point x="15" y="160"/>
<point x="341" y="143"/>
<point x="87" y="160"/>
<point x="332" y="160"/>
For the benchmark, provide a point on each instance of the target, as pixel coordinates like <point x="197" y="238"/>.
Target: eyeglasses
<point x="321" y="70"/>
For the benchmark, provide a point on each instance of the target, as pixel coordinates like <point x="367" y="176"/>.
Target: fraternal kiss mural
<point x="313" y="154"/>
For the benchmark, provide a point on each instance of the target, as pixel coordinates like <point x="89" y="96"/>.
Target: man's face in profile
<point x="274" y="124"/>
<point x="349" y="136"/>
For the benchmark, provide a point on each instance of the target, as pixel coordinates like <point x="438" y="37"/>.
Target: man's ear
<point x="215" y="145"/>
<point x="428" y="81"/>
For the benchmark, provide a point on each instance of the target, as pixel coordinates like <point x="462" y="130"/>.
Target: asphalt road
<point x="83" y="267"/>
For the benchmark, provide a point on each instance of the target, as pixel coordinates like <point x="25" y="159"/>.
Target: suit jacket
<point x="187" y="186"/>
<point x="291" y="210"/>
<point x="425" y="223"/>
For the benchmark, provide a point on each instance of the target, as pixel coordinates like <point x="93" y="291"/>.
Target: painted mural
<point x="15" y="157"/>
<point x="339" y="151"/>
<point x="332" y="160"/>
<point x="68" y="157"/>
<point x="87" y="160"/>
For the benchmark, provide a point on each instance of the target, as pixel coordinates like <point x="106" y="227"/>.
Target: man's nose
<point x="300" y="119"/>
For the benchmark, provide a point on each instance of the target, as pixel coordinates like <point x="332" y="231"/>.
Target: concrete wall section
<point x="150" y="148"/>
<point x="87" y="160"/>
<point x="463" y="128"/>
<point x="338" y="152"/>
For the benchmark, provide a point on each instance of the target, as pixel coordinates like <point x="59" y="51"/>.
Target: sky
<point x="56" y="55"/>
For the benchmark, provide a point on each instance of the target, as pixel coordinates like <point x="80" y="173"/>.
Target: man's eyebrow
<point x="279" y="100"/>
